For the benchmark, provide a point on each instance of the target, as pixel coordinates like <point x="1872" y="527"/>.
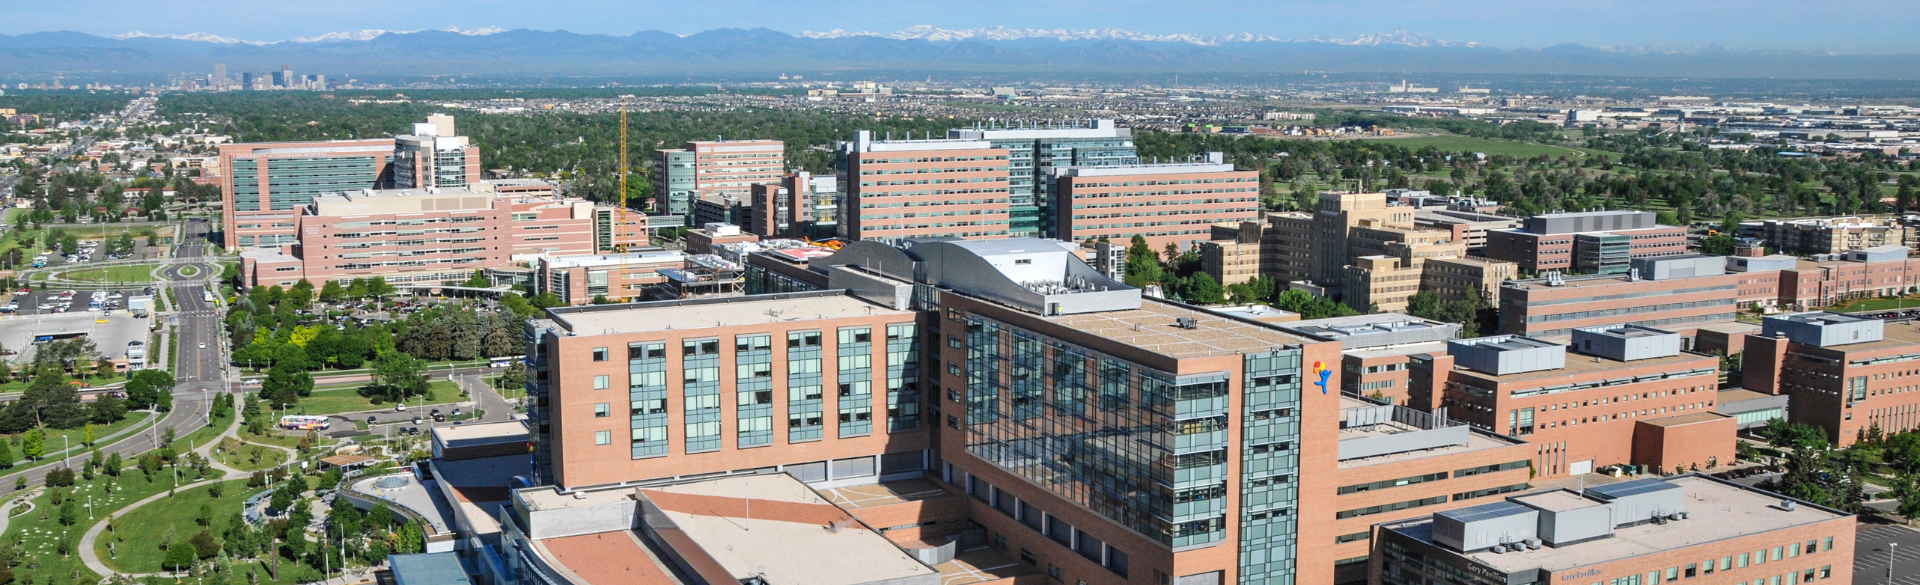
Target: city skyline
<point x="1766" y="25"/>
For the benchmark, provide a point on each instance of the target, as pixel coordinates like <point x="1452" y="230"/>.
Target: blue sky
<point x="1878" y="26"/>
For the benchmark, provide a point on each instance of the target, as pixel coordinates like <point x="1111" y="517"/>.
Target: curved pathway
<point x="92" y="560"/>
<point x="6" y="512"/>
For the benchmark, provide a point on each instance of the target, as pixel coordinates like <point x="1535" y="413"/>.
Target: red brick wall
<point x="1702" y="444"/>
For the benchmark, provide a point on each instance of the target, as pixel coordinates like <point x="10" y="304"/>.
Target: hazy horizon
<point x="1843" y="26"/>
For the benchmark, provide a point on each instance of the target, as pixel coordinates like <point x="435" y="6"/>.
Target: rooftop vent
<point x="1187" y="323"/>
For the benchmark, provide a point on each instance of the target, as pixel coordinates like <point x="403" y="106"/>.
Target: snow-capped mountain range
<point x="1001" y="33"/>
<point x="335" y="37"/>
<point x="923" y="32"/>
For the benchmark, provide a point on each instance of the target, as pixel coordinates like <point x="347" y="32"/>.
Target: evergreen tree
<point x="34" y="444"/>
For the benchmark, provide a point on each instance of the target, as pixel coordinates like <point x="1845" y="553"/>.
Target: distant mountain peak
<point x="932" y="33"/>
<point x="332" y="37"/>
<point x="197" y="37"/>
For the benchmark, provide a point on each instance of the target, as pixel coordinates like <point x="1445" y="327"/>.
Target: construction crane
<point x="619" y="245"/>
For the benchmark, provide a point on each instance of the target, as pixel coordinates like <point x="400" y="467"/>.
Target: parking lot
<point x="52" y="302"/>
<point x="1872" y="554"/>
<point x="17" y="332"/>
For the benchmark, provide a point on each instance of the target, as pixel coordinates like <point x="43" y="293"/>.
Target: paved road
<point x="200" y="366"/>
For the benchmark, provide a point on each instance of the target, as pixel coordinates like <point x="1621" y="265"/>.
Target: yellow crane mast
<point x="619" y="245"/>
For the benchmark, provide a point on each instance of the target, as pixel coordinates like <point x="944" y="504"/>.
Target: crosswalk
<point x="1872" y="555"/>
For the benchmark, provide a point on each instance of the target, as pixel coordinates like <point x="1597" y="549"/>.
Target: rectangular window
<point x="600" y="382"/>
<point x="599" y="354"/>
<point x="603" y="437"/>
<point x="600" y="410"/>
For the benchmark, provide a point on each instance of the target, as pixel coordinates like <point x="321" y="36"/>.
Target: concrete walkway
<point x="6" y="512"/>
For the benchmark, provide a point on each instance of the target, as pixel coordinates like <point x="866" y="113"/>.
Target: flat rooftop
<point x="1740" y="395"/>
<point x="718" y="311"/>
<point x="1896" y="333"/>
<point x="1718" y="511"/>
<point x="884" y="494"/>
<point x="484" y="432"/>
<point x="1684" y="419"/>
<point x="1730" y="328"/>
<point x="596" y="260"/>
<point x="1822" y="318"/>
<point x="606" y="558"/>
<point x="981" y="564"/>
<point x="1476" y="441"/>
<point x="1555" y="501"/>
<point x="1154" y="327"/>
<point x="1601" y="280"/>
<point x="1580" y="363"/>
<point x="776" y="527"/>
<point x="1431" y="347"/>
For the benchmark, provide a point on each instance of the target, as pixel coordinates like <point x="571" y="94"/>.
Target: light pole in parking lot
<point x="1891" y="548"/>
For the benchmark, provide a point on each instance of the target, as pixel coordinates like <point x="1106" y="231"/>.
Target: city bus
<point x="502" y="362"/>
<point x="206" y="295"/>
<point x="304" y="422"/>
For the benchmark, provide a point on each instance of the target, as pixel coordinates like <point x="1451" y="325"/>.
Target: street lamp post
<point x="1892" y="547"/>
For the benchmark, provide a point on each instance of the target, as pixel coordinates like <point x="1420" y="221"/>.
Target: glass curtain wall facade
<point x="647" y="392"/>
<point x="1030" y="168"/>
<point x="1269" y="467"/>
<point x="292" y="182"/>
<point x="1102" y="432"/>
<point x="753" y="389"/>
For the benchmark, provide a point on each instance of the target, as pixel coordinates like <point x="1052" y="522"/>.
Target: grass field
<point x="288" y="439"/>
<point x="1449" y="142"/>
<point x="58" y="439"/>
<point x="18" y="386"/>
<point x="124" y="273"/>
<point x="1878" y="305"/>
<point x="40" y="536"/>
<point x="139" y="533"/>
<point x="348" y="399"/>
<point x="245" y="457"/>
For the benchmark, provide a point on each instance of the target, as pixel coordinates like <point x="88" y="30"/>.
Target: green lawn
<point x="189" y="270"/>
<point x="1878" y="305"/>
<point x="139" y="533"/>
<point x="348" y="399"/>
<point x="122" y="273"/>
<point x="18" y="386"/>
<point x="1450" y="142"/>
<point x="40" y="534"/>
<point x="58" y="439"/>
<point x="288" y="439"/>
<point x="246" y="457"/>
